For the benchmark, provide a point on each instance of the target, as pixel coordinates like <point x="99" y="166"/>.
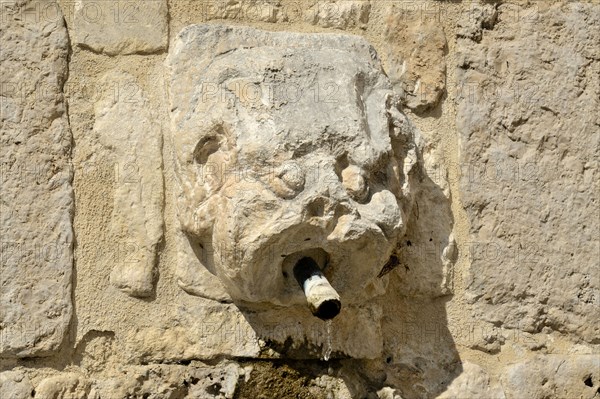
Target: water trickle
<point x="327" y="347"/>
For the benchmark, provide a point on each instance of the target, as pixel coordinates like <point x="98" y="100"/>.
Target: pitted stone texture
<point x="473" y="382"/>
<point x="257" y="183"/>
<point x="342" y="14"/>
<point x="15" y="384"/>
<point x="529" y="127"/>
<point x="132" y="141"/>
<point x="68" y="385"/>
<point x="196" y="381"/>
<point x="475" y="19"/>
<point x="554" y="376"/>
<point x="248" y="10"/>
<point x="415" y="48"/>
<point x="35" y="183"/>
<point x="121" y="27"/>
<point x="193" y="332"/>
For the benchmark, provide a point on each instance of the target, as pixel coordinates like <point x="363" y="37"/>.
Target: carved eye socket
<point x="206" y="147"/>
<point x="288" y="180"/>
<point x="354" y="180"/>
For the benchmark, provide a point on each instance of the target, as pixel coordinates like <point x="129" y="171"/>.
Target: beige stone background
<point x="497" y="294"/>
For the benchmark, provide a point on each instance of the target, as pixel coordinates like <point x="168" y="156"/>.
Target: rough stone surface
<point x="35" y="184"/>
<point x="529" y="129"/>
<point x="132" y="139"/>
<point x="15" y="385"/>
<point x="196" y="381"/>
<point x="63" y="386"/>
<point x="554" y="376"/>
<point x="477" y="18"/>
<point x="473" y="382"/>
<point x="171" y="381"/>
<point x="336" y="14"/>
<point x="248" y="10"/>
<point x="311" y="338"/>
<point x="126" y="27"/>
<point x="195" y="332"/>
<point x="415" y="48"/>
<point x="418" y="347"/>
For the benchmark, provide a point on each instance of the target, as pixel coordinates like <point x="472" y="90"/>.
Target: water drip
<point x="327" y="346"/>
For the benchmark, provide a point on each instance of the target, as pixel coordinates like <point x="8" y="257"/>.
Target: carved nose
<point x="329" y="200"/>
<point x="324" y="206"/>
<point x="317" y="207"/>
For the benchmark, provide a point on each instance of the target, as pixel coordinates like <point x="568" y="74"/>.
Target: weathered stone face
<point x="135" y="145"/>
<point x="415" y="48"/>
<point x="36" y="205"/>
<point x="528" y="146"/>
<point x="114" y="27"/>
<point x="288" y="154"/>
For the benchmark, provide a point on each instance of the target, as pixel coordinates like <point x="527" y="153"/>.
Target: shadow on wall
<point x="421" y="359"/>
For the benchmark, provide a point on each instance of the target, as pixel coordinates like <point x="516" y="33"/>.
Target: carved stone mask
<point x="288" y="145"/>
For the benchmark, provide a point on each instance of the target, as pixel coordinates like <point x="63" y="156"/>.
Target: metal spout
<point x="323" y="300"/>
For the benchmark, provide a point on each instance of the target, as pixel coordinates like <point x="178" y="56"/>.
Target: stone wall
<point x="449" y="182"/>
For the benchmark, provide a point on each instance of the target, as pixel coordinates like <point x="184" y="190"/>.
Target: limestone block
<point x="208" y="332"/>
<point x="475" y="19"/>
<point x="132" y="139"/>
<point x="121" y="27"/>
<point x="248" y="10"/>
<point x="218" y="330"/>
<point x="527" y="117"/>
<point x="473" y="382"/>
<point x="258" y="185"/>
<point x="415" y="49"/>
<point x="15" y="384"/>
<point x="36" y="203"/>
<point x="554" y="376"/>
<point x="64" y="386"/>
<point x="160" y="381"/>
<point x="339" y="14"/>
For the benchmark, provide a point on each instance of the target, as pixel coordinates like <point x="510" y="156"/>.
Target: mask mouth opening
<point x="317" y="254"/>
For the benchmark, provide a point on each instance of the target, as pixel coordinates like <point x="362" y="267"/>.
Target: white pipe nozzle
<point x="323" y="301"/>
